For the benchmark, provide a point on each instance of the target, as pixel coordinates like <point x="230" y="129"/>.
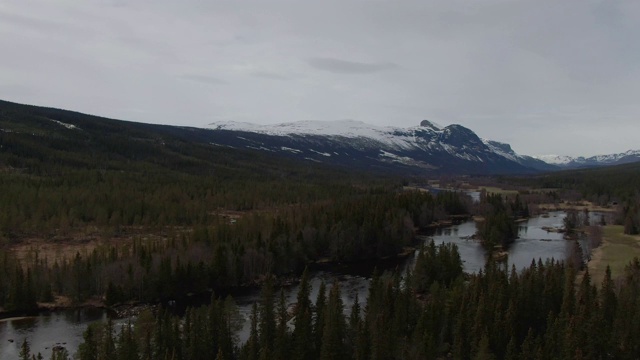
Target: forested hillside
<point x="61" y="170"/>
<point x="167" y="214"/>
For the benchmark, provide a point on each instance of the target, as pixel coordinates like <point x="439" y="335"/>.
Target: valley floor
<point x="617" y="251"/>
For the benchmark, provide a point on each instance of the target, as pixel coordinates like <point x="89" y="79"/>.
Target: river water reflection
<point x="534" y="242"/>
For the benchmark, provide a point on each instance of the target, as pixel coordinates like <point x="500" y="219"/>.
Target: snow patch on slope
<point x="345" y="128"/>
<point x="295" y="151"/>
<point x="502" y="149"/>
<point x="398" y="158"/>
<point x="391" y="136"/>
<point x="320" y="153"/>
<point x="68" y="126"/>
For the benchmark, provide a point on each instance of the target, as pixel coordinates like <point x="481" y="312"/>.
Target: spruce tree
<point x="25" y="350"/>
<point x="88" y="350"/>
<point x="253" y="344"/>
<point x="282" y="346"/>
<point x="320" y="305"/>
<point x="107" y="349"/>
<point x="333" y="346"/>
<point x="267" y="324"/>
<point x="303" y="341"/>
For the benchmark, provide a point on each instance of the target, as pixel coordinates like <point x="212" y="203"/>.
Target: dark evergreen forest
<point x="432" y="312"/>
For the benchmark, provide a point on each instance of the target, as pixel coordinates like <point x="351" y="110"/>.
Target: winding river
<point x="65" y="328"/>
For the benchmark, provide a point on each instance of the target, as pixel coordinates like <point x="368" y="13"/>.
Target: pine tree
<point x="334" y="328"/>
<point x="88" y="350"/>
<point x="107" y="349"/>
<point x="229" y="327"/>
<point x="282" y="347"/>
<point x="318" y="327"/>
<point x="25" y="350"/>
<point x="608" y="300"/>
<point x="484" y="351"/>
<point x="512" y="350"/>
<point x="354" y="325"/>
<point x="303" y="328"/>
<point x="529" y="347"/>
<point x="127" y="348"/>
<point x="59" y="354"/>
<point x="143" y="333"/>
<point x="267" y="319"/>
<point x="253" y="344"/>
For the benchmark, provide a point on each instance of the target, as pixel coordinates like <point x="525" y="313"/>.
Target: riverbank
<point x="61" y="303"/>
<point x="577" y="205"/>
<point x="617" y="251"/>
<point x="133" y="308"/>
<point x="354" y="279"/>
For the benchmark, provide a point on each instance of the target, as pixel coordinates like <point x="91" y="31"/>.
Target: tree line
<point x="229" y="254"/>
<point x="498" y="313"/>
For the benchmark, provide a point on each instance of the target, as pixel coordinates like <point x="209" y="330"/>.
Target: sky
<point x="546" y="76"/>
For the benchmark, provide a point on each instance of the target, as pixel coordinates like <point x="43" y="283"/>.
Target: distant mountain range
<point x="568" y="162"/>
<point x="32" y="135"/>
<point x="427" y="148"/>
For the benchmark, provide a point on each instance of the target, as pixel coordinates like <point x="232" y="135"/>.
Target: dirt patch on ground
<point x="28" y="249"/>
<point x="59" y="302"/>
<point x="65" y="247"/>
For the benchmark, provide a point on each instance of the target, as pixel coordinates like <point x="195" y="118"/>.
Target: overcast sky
<point x="546" y="76"/>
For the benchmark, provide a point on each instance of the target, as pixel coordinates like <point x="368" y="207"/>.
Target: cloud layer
<point x="348" y="67"/>
<point x="546" y="76"/>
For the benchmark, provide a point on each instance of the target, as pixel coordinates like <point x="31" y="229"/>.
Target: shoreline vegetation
<point x="120" y="310"/>
<point x="131" y="308"/>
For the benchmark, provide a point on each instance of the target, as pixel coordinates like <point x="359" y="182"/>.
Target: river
<point x="66" y="327"/>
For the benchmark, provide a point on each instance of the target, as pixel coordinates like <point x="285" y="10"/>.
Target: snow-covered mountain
<point x="598" y="160"/>
<point x="555" y="159"/>
<point x="427" y="147"/>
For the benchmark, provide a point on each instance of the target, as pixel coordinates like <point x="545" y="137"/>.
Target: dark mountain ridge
<point x="52" y="137"/>
<point x="424" y="149"/>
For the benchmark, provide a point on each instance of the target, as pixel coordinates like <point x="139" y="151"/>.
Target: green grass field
<point x="617" y="250"/>
<point x="497" y="190"/>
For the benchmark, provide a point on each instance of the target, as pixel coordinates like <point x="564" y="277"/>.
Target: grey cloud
<point x="28" y="22"/>
<point x="8" y="91"/>
<point x="349" y="67"/>
<point x="203" y="79"/>
<point x="270" y="75"/>
<point x="527" y="72"/>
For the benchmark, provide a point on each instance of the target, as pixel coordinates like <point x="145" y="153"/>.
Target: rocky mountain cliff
<point x="428" y="147"/>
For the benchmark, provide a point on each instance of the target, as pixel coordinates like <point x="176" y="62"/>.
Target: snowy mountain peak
<point x="555" y="159"/>
<point x="617" y="157"/>
<point x="598" y="160"/>
<point x="453" y="148"/>
<point x="430" y="125"/>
